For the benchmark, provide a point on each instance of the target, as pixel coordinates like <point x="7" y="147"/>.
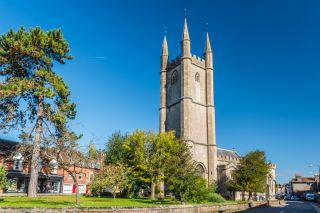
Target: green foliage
<point x="3" y="178"/>
<point x="113" y="177"/>
<point x="97" y="186"/>
<point x="215" y="198"/>
<point x="152" y="158"/>
<point x="135" y="147"/>
<point x="115" y="151"/>
<point x="250" y="175"/>
<point x="197" y="191"/>
<point x="182" y="174"/>
<point x="31" y="94"/>
<point x="26" y="62"/>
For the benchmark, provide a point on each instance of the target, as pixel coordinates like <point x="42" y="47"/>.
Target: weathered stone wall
<point x="168" y="209"/>
<point x="173" y="90"/>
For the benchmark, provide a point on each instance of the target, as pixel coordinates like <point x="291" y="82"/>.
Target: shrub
<point x="215" y="198"/>
<point x="198" y="191"/>
<point x="3" y="178"/>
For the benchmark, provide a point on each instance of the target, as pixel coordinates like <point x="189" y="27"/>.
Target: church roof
<point x="227" y="154"/>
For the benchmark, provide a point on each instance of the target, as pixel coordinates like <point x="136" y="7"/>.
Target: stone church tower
<point x="186" y="102"/>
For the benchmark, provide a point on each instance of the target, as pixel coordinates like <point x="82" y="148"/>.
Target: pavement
<point x="289" y="207"/>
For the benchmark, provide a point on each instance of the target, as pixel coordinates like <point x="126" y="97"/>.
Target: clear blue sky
<point x="266" y="58"/>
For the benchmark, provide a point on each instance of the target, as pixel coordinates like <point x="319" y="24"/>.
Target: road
<point x="289" y="207"/>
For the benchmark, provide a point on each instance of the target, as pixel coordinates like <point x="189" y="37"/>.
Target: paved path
<point x="289" y="207"/>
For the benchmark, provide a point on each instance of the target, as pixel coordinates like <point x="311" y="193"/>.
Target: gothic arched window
<point x="197" y="77"/>
<point x="200" y="170"/>
<point x="174" y="77"/>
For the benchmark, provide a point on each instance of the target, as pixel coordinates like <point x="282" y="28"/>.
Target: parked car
<point x="310" y="196"/>
<point x="287" y="197"/>
<point x="278" y="196"/>
<point x="295" y="198"/>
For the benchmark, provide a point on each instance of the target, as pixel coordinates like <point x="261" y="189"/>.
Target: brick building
<point x="301" y="185"/>
<point x="54" y="181"/>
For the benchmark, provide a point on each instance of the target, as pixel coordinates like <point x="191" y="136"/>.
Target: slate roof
<point x="7" y="145"/>
<point x="227" y="154"/>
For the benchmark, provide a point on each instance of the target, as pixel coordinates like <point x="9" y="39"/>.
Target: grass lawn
<point x="69" y="201"/>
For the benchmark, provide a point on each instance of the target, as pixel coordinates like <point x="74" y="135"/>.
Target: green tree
<point x="97" y="185"/>
<point x="154" y="158"/>
<point x="158" y="149"/>
<point x="251" y="173"/>
<point x="150" y="156"/>
<point x="113" y="177"/>
<point x="182" y="173"/>
<point x="31" y="93"/>
<point x="115" y="151"/>
<point x="3" y="178"/>
<point x="136" y="159"/>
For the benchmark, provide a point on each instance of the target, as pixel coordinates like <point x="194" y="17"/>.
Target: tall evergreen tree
<point x="31" y="93"/>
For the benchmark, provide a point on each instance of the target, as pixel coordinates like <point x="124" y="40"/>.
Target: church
<point x="187" y="107"/>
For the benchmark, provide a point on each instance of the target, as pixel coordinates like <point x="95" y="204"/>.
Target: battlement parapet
<point x="198" y="61"/>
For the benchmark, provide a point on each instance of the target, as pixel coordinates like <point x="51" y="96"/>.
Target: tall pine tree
<point x="31" y="93"/>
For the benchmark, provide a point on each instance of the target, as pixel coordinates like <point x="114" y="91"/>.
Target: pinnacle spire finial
<point x="208" y="45"/>
<point x="164" y="50"/>
<point x="185" y="34"/>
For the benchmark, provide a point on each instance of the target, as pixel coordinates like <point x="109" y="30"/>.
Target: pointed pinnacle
<point x="164" y="47"/>
<point x="185" y="34"/>
<point x="208" y="46"/>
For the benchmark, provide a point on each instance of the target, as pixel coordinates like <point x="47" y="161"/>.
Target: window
<point x="80" y="176"/>
<point x="91" y="177"/>
<point x="17" y="165"/>
<point x="56" y="186"/>
<point x="54" y="166"/>
<point x="197" y="77"/>
<point x="17" y="162"/>
<point x="174" y="77"/>
<point x="69" y="177"/>
<point x="39" y="165"/>
<point x="82" y="188"/>
<point x="67" y="188"/>
<point x="200" y="170"/>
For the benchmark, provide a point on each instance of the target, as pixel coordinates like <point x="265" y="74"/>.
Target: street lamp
<point x="318" y="179"/>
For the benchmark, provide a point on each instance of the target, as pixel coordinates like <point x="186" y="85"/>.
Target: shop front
<point x="18" y="183"/>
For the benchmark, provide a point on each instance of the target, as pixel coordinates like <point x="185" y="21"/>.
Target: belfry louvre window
<point x="174" y="77"/>
<point x="197" y="77"/>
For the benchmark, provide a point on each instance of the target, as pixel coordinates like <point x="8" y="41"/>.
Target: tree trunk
<point x="74" y="178"/>
<point x="161" y="189"/>
<point x="34" y="169"/>
<point x="250" y="195"/>
<point x="77" y="194"/>
<point x="153" y="190"/>
<point x="182" y="200"/>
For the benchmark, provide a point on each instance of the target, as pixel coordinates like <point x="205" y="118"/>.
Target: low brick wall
<point x="275" y="202"/>
<point x="166" y="209"/>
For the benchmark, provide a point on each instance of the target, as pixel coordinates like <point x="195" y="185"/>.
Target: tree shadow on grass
<point x="40" y="203"/>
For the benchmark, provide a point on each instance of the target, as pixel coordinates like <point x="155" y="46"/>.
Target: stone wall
<point x="168" y="209"/>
